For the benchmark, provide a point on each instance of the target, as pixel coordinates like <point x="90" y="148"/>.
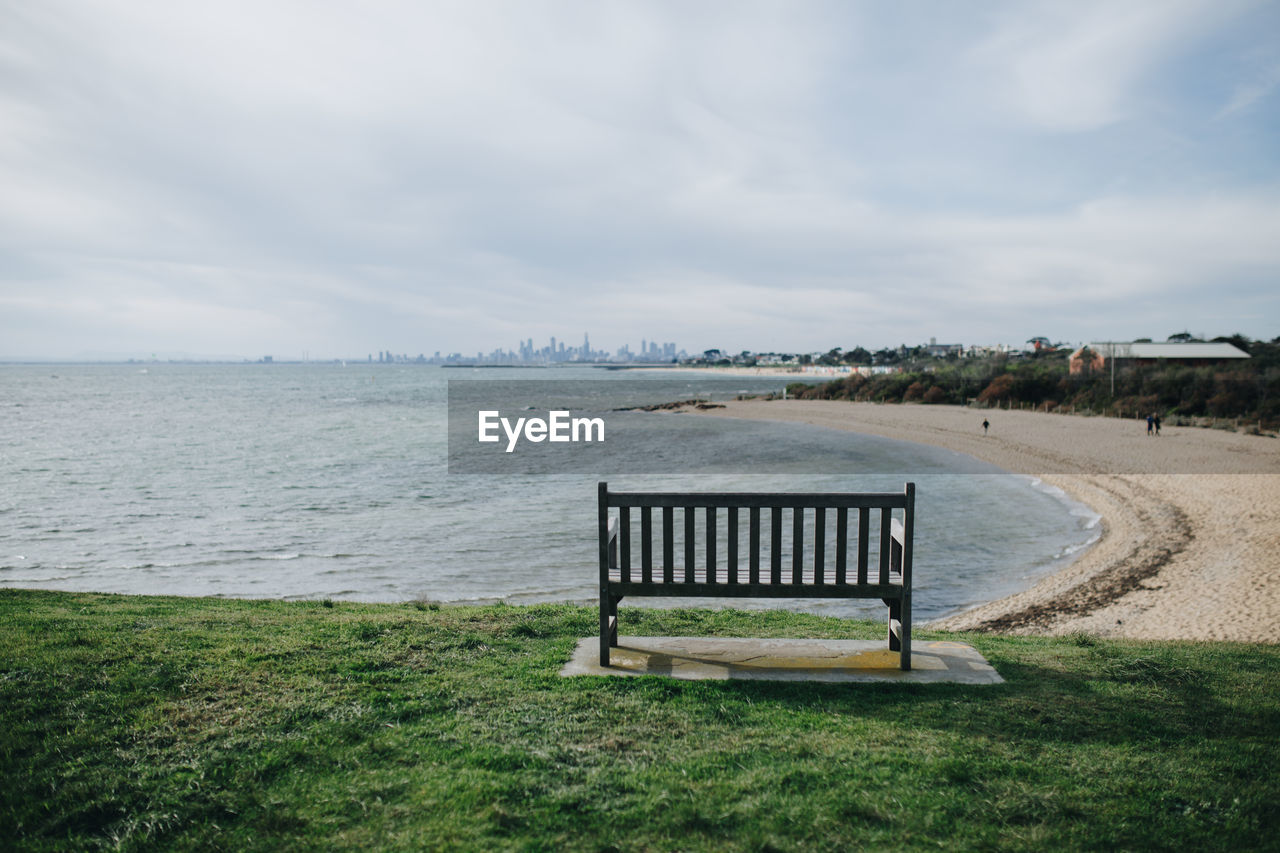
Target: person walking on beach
<point x="985" y="426"/>
<point x="1151" y="423"/>
<point x="1157" y="424"/>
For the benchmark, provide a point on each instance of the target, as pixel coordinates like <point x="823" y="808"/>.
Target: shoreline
<point x="780" y="371"/>
<point x="1190" y="541"/>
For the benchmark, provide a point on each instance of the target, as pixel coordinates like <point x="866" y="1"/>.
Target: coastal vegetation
<point x="179" y="723"/>
<point x="1244" y="392"/>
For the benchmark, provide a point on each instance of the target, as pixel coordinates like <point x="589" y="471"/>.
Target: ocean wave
<point x="45" y="579"/>
<point x="1070" y="550"/>
<point x="1074" y="507"/>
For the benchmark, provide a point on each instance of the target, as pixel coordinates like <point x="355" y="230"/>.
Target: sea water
<point x="332" y="481"/>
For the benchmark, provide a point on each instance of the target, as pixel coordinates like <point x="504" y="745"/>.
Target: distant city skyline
<point x="555" y="352"/>
<point x="295" y="178"/>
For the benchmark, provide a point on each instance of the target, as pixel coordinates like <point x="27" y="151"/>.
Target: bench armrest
<point x="898" y="552"/>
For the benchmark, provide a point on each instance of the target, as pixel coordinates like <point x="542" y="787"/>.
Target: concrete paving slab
<point x="696" y="658"/>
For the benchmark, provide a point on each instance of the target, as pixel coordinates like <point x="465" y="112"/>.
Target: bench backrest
<point x="879" y="551"/>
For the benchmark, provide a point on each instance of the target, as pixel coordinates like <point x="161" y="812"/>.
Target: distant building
<point x="1086" y="358"/>
<point x="990" y="350"/>
<point x="937" y="350"/>
<point x="1193" y="354"/>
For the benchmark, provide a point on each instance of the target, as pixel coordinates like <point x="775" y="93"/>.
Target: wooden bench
<point x="861" y="568"/>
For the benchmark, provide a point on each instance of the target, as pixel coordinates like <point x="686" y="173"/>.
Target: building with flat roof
<point x="1193" y="354"/>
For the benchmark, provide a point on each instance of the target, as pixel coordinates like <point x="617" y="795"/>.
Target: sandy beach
<point x="1190" y="548"/>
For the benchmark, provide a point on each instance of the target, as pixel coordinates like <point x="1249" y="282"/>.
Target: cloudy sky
<point x="338" y="178"/>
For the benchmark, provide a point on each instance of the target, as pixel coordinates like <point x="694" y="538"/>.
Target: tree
<point x="1237" y="340"/>
<point x="857" y="355"/>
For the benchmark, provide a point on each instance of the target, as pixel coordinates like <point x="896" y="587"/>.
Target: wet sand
<point x="1190" y="547"/>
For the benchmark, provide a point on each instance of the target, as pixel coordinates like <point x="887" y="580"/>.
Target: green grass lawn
<point x="175" y="723"/>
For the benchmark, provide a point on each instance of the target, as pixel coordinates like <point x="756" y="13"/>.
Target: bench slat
<point x="646" y="544"/>
<point x="754" y="567"/>
<point x="885" y="530"/>
<point x="624" y="543"/>
<point x="711" y="544"/>
<point x="797" y="544"/>
<point x="819" y="544"/>
<point x="668" y="544"/>
<point x="807" y="579"/>
<point x="864" y="537"/>
<point x="775" y="543"/>
<point x="688" y="544"/>
<point x="732" y="556"/>
<point x="702" y="589"/>
<point x="842" y="543"/>
<point x="808" y="500"/>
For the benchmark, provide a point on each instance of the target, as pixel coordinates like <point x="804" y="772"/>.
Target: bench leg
<point x="608" y="625"/>
<point x="605" y="598"/>
<point x="905" y="622"/>
<point x="895" y="616"/>
<point x="900" y="630"/>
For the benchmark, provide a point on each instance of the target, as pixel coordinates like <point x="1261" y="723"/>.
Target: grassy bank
<point x="175" y="723"/>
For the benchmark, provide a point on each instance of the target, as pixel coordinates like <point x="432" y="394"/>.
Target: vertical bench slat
<point x="668" y="543"/>
<point x="711" y="544"/>
<point x="842" y="543"/>
<point x="688" y="544"/>
<point x="775" y="545"/>
<point x="733" y="544"/>
<point x="797" y="544"/>
<point x="819" y="544"/>
<point x="886" y="527"/>
<point x="754" y="546"/>
<point x="624" y="542"/>
<point x="864" y="533"/>
<point x="908" y="538"/>
<point x="646" y="544"/>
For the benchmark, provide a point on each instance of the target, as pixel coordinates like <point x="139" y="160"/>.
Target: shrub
<point x="998" y="391"/>
<point x="934" y="395"/>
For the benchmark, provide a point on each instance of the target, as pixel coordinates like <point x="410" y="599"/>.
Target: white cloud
<point x="461" y="176"/>
<point x="1256" y="87"/>
<point x="1079" y="66"/>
